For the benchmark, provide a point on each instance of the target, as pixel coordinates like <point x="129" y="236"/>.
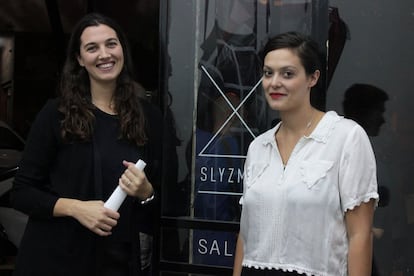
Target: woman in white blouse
<point x="310" y="185"/>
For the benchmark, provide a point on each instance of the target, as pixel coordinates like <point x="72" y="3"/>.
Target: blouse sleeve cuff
<point x="364" y="199"/>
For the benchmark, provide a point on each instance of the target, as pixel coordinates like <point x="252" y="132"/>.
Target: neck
<point x="104" y="89"/>
<point x="300" y="123"/>
<point x="102" y="98"/>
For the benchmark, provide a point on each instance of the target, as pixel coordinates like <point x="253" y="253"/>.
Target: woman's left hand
<point x="134" y="182"/>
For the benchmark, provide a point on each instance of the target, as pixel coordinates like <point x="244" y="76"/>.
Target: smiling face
<point x="101" y="54"/>
<point x="285" y="82"/>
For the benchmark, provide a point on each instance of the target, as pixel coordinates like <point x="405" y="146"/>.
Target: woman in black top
<point x="80" y="147"/>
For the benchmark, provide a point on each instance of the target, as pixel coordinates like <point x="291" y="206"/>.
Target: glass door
<point x="215" y="108"/>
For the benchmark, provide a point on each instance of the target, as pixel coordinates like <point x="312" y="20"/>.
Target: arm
<point x="94" y="214"/>
<point x="97" y="217"/>
<point x="31" y="185"/>
<point x="238" y="258"/>
<point x="358" y="179"/>
<point x="91" y="214"/>
<point x="359" y="229"/>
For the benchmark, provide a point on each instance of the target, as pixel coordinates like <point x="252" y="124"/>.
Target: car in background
<point x="12" y="222"/>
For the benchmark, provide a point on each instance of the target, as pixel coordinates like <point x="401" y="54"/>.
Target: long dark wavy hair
<point x="76" y="105"/>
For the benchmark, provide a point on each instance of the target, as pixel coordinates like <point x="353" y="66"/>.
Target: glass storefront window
<point x="213" y="79"/>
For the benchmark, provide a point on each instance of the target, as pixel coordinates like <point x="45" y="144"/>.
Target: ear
<point x="313" y="79"/>
<point x="80" y="61"/>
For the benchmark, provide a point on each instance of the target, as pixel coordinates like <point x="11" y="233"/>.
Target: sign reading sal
<point x="215" y="247"/>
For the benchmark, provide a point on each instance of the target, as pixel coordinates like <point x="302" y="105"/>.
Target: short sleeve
<point x="357" y="174"/>
<point x="245" y="176"/>
<point x="257" y="161"/>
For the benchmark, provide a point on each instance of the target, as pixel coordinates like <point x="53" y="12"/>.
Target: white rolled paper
<point x="118" y="196"/>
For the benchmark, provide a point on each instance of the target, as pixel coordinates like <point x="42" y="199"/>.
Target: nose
<point x="103" y="53"/>
<point x="275" y="80"/>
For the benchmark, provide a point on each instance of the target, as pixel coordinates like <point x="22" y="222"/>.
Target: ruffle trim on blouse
<point x="254" y="171"/>
<point x="289" y="268"/>
<point x="326" y="126"/>
<point x="359" y="201"/>
<point x="251" y="174"/>
<point x="312" y="171"/>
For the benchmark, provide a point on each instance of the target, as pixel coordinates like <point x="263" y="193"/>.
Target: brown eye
<point x="267" y="73"/>
<point x="288" y="74"/>
<point x="90" y="49"/>
<point x="112" y="44"/>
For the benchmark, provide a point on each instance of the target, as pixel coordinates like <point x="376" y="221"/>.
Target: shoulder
<point x="152" y="112"/>
<point x="334" y="125"/>
<point x="45" y="129"/>
<point x="351" y="128"/>
<point x="340" y="120"/>
<point x="49" y="112"/>
<point x="262" y="141"/>
<point x="51" y="105"/>
<point x="266" y="137"/>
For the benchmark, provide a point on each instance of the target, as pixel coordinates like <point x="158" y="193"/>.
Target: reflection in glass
<point x="230" y="74"/>
<point x="231" y="110"/>
<point x="365" y="104"/>
<point x="214" y="77"/>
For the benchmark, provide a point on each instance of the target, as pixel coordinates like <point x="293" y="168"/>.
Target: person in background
<point x="365" y="104"/>
<point x="81" y="146"/>
<point x="310" y="186"/>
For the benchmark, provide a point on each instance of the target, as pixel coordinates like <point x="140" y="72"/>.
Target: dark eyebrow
<point x="94" y="43"/>
<point x="112" y="39"/>
<point x="289" y="68"/>
<point x="281" y="68"/>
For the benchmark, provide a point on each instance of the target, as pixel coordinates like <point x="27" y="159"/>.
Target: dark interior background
<point x="33" y="36"/>
<point x="378" y="50"/>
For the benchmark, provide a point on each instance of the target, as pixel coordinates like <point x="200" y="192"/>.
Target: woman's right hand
<point x="91" y="214"/>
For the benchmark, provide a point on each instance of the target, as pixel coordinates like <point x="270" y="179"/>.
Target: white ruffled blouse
<point x="293" y="217"/>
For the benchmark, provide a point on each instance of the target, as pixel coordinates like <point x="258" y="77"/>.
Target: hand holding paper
<point x="119" y="195"/>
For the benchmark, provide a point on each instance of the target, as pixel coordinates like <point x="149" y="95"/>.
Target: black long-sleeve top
<point x="51" y="169"/>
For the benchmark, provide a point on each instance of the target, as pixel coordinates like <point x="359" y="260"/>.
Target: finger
<point x="126" y="163"/>
<point x="114" y="215"/>
<point x="102" y="233"/>
<point x="102" y="229"/>
<point x="132" y="174"/>
<point x="110" y="222"/>
<point x="137" y="178"/>
<point x="125" y="181"/>
<point x="105" y="227"/>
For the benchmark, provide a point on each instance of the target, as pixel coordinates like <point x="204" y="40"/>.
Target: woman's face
<point x="101" y="53"/>
<point x="285" y="83"/>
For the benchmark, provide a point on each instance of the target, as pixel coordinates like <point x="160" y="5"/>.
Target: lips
<point x="106" y="66"/>
<point x="276" y="96"/>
